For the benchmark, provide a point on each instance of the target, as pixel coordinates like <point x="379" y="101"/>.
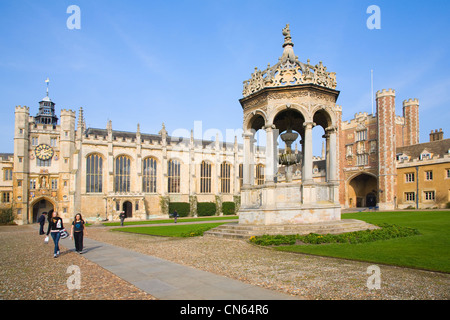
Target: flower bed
<point x="387" y="231"/>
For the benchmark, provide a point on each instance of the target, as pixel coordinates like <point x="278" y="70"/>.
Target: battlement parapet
<point x="67" y="112"/>
<point x="23" y="109"/>
<point x="410" y="102"/>
<point x="384" y="92"/>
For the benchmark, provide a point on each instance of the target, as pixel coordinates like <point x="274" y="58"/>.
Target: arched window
<point x="149" y="176"/>
<point x="94" y="170"/>
<point x="173" y="174"/>
<point x="205" y="177"/>
<point x="122" y="174"/>
<point x="259" y="174"/>
<point x="225" y="181"/>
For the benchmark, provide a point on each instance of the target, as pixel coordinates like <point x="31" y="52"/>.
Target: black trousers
<point x="41" y="229"/>
<point x="78" y="237"/>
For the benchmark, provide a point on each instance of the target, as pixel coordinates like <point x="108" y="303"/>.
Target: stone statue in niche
<point x="44" y="183"/>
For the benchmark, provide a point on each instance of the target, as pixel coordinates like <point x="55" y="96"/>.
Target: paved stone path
<point x="168" y="280"/>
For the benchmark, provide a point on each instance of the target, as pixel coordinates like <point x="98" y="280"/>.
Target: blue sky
<point x="179" y="62"/>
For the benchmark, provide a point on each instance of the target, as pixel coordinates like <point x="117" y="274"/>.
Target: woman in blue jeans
<point x="55" y="225"/>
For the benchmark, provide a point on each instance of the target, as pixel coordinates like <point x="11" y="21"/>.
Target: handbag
<point x="64" y="234"/>
<point x="46" y="240"/>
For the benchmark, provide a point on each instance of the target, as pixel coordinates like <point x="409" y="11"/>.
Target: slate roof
<point x="440" y="147"/>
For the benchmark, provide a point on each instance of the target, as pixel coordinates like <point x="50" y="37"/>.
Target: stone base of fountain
<point x="280" y="203"/>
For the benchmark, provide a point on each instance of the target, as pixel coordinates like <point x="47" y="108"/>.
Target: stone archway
<point x="362" y="191"/>
<point x="40" y="206"/>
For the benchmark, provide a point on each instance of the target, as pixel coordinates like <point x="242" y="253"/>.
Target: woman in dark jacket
<point x="55" y="225"/>
<point x="78" y="231"/>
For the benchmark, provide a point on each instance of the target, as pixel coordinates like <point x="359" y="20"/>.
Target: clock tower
<point x="43" y="150"/>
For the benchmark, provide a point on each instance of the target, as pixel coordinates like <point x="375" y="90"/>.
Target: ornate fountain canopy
<point x="289" y="71"/>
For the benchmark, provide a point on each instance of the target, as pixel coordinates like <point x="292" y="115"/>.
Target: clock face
<point x="44" y="152"/>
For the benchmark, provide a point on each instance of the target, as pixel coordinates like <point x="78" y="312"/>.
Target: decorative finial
<point x="80" y="118"/>
<point x="287" y="36"/>
<point x="47" y="81"/>
<point x="163" y="131"/>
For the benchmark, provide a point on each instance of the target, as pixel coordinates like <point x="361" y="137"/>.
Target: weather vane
<point x="47" y="81"/>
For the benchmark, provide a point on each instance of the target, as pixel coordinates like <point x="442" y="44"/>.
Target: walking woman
<point x="77" y="232"/>
<point x="55" y="225"/>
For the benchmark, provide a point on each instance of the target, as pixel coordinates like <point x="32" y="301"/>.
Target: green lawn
<point x="187" y="230"/>
<point x="131" y="223"/>
<point x="430" y="250"/>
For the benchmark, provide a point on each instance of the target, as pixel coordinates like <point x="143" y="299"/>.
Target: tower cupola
<point x="46" y="114"/>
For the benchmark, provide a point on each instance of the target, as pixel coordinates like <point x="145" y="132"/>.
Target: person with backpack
<point x="55" y="226"/>
<point x="122" y="217"/>
<point x="77" y="232"/>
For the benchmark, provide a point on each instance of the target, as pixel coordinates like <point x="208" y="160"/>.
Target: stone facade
<point x="60" y="183"/>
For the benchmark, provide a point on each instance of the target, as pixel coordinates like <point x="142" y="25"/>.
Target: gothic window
<point x="54" y="184"/>
<point x="149" y="176"/>
<point x="43" y="163"/>
<point x="205" y="177"/>
<point x="225" y="181"/>
<point x="32" y="184"/>
<point x="122" y="174"/>
<point x="362" y="159"/>
<point x="173" y="174"/>
<point x="7" y="174"/>
<point x="94" y="170"/>
<point x="361" y="135"/>
<point x="6" y="197"/>
<point x="260" y="174"/>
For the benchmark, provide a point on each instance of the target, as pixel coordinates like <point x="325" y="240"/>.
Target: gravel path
<point x="28" y="270"/>
<point x="310" y="277"/>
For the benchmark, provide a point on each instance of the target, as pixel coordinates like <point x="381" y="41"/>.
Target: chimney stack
<point x="436" y="135"/>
